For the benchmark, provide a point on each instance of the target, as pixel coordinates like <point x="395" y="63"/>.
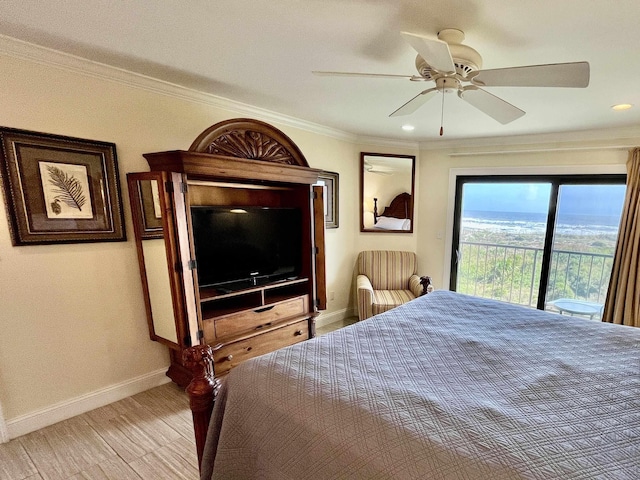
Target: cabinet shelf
<point x="221" y="306"/>
<point x="208" y="294"/>
<point x="214" y="305"/>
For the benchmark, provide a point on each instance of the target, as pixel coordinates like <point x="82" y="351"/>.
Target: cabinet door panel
<point x="148" y="208"/>
<point x="189" y="301"/>
<point x="319" y="260"/>
<point x="171" y="310"/>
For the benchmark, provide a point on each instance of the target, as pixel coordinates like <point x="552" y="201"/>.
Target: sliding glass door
<point x="583" y="246"/>
<point x="543" y="241"/>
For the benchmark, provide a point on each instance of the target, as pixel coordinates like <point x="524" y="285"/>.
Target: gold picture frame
<point x="150" y="211"/>
<point x="330" y="184"/>
<point x="60" y="189"/>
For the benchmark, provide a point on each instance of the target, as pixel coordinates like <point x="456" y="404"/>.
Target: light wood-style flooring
<point x="148" y="436"/>
<point x="336" y="325"/>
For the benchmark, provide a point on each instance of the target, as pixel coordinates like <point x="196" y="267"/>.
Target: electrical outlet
<point x="332" y="296"/>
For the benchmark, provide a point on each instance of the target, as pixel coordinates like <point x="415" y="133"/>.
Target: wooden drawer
<point x="261" y="317"/>
<point x="234" y="353"/>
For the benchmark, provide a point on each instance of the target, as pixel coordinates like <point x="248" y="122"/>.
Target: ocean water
<point x="526" y="222"/>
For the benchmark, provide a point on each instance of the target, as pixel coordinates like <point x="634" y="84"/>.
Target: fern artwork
<point x="66" y="190"/>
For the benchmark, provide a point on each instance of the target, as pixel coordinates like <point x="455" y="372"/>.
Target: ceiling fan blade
<point x="435" y="52"/>
<point x="493" y="106"/>
<point x="415" y="103"/>
<point x="355" y="74"/>
<point x="574" y="75"/>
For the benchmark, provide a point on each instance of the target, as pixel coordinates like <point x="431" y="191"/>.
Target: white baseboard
<point x="38" y="419"/>
<point x="325" y="319"/>
<point x="70" y="408"/>
<point x="4" y="433"/>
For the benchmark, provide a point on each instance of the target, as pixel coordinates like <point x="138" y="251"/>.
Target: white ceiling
<point x="262" y="52"/>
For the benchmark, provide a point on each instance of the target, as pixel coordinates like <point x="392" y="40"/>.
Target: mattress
<point x="446" y="386"/>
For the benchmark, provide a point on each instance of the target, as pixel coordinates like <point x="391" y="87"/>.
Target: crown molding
<point x="388" y="142"/>
<point x="624" y="137"/>
<point x="20" y="49"/>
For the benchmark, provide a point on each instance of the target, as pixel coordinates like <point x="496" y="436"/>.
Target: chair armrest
<point x="364" y="283"/>
<point x="365" y="297"/>
<point x="420" y="285"/>
<point x="414" y="285"/>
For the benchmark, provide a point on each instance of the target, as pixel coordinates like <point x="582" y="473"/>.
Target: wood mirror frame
<point x="386" y="190"/>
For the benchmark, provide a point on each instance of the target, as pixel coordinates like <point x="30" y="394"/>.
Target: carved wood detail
<point x="252" y="145"/>
<point x="250" y="139"/>
<point x="399" y="207"/>
<point x="202" y="391"/>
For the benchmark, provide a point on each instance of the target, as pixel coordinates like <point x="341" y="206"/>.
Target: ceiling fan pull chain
<point x="442" y="115"/>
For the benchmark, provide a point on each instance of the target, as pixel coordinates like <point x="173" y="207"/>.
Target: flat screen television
<point x="241" y="247"/>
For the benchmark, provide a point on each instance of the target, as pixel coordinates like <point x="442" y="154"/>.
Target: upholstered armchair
<point x="387" y="279"/>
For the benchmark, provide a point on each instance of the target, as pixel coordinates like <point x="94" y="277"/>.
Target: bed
<point x="447" y="386"/>
<point x="396" y="216"/>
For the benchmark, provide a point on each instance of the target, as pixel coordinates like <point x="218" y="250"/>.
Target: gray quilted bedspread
<point x="444" y="387"/>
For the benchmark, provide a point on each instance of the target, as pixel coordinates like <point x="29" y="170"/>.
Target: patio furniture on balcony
<point x="577" y="307"/>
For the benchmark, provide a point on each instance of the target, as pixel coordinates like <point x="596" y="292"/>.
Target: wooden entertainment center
<point x="236" y="163"/>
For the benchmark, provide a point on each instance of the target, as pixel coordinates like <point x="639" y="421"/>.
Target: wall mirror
<point x="147" y="207"/>
<point x="386" y="192"/>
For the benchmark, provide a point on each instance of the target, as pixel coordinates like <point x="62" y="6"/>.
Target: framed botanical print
<point x="60" y="189"/>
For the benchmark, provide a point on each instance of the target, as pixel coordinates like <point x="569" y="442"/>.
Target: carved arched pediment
<point x="249" y="139"/>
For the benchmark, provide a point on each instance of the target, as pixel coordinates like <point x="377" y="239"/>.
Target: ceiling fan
<point x="378" y="169"/>
<point x="456" y="68"/>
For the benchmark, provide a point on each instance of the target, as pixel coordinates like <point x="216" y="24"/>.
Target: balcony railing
<point x="512" y="273"/>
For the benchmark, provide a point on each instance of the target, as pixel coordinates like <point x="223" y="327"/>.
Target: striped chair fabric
<point x="385" y="280"/>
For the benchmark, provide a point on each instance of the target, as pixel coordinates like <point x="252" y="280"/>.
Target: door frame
<point x="454" y="173"/>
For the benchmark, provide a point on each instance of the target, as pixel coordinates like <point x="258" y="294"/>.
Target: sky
<point x="534" y="198"/>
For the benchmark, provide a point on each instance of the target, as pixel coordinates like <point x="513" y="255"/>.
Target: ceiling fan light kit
<point x="457" y="68"/>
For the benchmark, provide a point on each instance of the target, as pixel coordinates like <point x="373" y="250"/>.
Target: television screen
<point x="238" y="247"/>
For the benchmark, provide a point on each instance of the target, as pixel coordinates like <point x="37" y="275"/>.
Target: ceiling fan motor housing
<point x="465" y="58"/>
<point x="424" y="69"/>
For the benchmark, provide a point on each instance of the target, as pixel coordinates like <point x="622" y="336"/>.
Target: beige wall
<point x="72" y="318"/>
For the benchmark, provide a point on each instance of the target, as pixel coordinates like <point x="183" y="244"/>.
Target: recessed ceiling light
<point x="408" y="128"/>
<point x="622" y="106"/>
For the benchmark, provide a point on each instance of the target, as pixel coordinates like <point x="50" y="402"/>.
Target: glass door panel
<point x="539" y="241"/>
<point x="584" y="241"/>
<point x="501" y="240"/>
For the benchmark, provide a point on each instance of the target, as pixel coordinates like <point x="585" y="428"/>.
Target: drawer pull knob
<point x="228" y="358"/>
<point x="265" y="309"/>
<point x="298" y="333"/>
